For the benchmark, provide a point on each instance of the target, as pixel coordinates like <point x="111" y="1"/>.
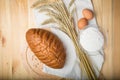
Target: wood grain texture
<point x="103" y="11"/>
<point x="19" y="24"/>
<point x="13" y="22"/>
<point x="16" y="17"/>
<point x="5" y="28"/>
<point x="116" y="36"/>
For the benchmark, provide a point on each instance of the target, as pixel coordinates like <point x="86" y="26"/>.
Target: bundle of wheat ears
<point x="61" y="15"/>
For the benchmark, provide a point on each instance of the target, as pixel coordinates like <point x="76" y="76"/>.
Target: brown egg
<point x="82" y="23"/>
<point x="88" y="14"/>
<point x="47" y="47"/>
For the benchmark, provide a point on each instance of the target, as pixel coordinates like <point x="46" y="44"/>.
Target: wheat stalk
<point x="60" y="14"/>
<point x="71" y="3"/>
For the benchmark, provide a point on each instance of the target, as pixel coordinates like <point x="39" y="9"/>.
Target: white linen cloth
<point x="71" y="68"/>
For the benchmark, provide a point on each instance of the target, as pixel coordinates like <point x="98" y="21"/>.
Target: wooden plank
<point x="116" y="31"/>
<point x="5" y="29"/>
<point x="108" y="32"/>
<point x="103" y="11"/>
<point x="13" y="23"/>
<point x="31" y="17"/>
<point x="19" y="24"/>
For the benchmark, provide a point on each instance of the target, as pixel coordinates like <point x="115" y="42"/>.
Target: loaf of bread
<point x="47" y="47"/>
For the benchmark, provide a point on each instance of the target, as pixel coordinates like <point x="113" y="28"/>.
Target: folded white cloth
<point x="71" y="68"/>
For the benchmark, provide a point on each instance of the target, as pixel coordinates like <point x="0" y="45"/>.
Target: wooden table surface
<point x="16" y="16"/>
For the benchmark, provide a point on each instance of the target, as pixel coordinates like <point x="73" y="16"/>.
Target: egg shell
<point x="82" y="23"/>
<point x="88" y="14"/>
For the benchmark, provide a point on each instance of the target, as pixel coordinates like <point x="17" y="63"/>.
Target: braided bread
<point x="47" y="47"/>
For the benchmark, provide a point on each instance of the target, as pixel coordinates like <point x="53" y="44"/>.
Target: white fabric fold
<point x="71" y="68"/>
